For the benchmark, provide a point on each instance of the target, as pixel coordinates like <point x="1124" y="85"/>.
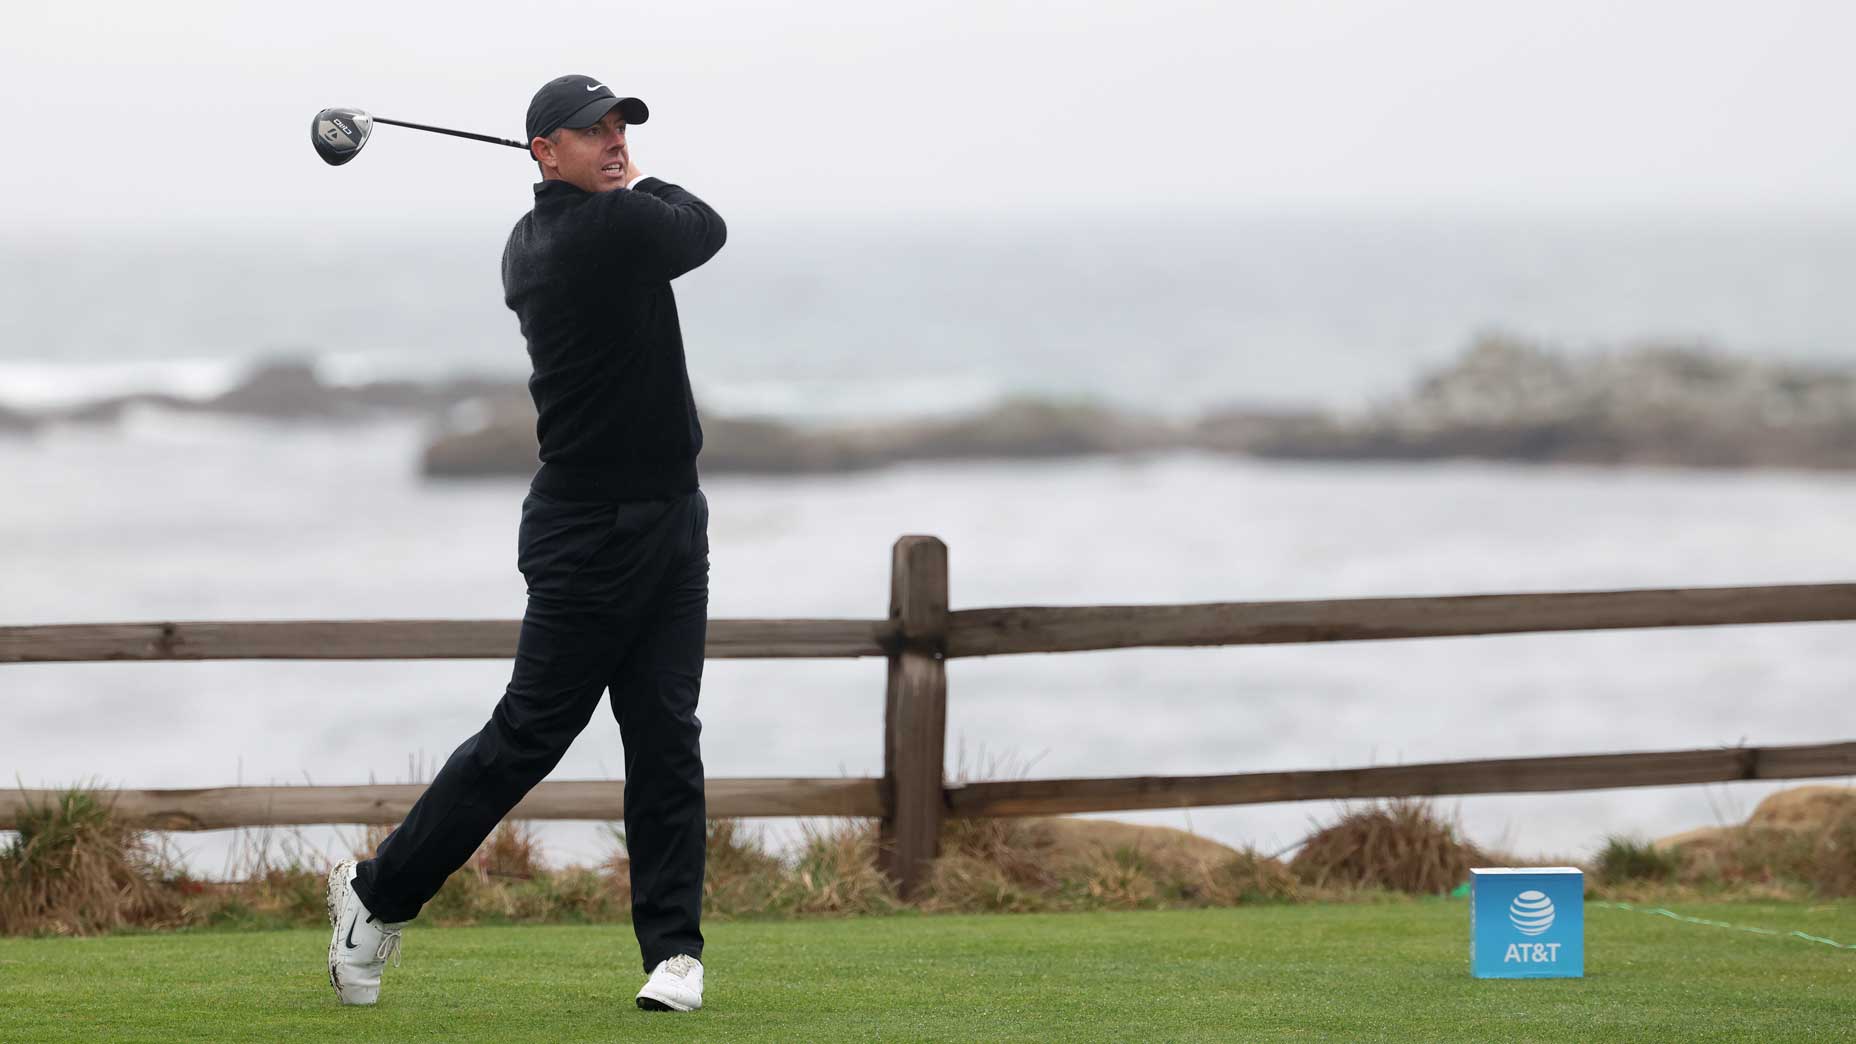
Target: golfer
<point x="613" y="543"/>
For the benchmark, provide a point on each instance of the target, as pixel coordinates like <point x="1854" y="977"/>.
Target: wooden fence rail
<point x="917" y="638"/>
<point x="971" y="632"/>
<point x="221" y="808"/>
<point x="400" y="640"/>
<point x="1039" y="629"/>
<point x="1044" y="797"/>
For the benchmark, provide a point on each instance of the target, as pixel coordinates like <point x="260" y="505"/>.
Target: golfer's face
<point x="593" y="158"/>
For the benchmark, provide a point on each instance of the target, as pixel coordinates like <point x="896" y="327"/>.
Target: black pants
<point x="618" y="597"/>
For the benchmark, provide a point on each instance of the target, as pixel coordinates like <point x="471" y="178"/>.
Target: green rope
<point x="1685" y="919"/>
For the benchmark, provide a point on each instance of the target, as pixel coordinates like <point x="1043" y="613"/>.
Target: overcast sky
<point x="158" y="114"/>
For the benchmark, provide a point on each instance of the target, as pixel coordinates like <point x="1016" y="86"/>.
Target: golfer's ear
<point x="543" y="151"/>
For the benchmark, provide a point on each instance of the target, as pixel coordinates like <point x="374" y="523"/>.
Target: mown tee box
<point x="1527" y="922"/>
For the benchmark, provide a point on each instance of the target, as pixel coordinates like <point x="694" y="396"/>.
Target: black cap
<point x="578" y="101"/>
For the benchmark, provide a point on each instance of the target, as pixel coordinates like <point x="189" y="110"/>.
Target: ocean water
<point x="828" y="320"/>
<point x="182" y="518"/>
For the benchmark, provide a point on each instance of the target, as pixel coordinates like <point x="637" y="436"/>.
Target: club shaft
<point x="454" y="133"/>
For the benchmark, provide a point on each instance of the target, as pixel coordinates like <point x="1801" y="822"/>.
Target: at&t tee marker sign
<point x="1527" y="922"/>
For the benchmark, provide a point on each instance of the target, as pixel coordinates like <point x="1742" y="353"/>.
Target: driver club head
<point x="339" y="133"/>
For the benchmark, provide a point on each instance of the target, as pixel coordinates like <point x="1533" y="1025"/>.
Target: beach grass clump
<point x="1023" y="851"/>
<point x="512" y="851"/>
<point x="1632" y="859"/>
<point x="508" y="881"/>
<point x="1834" y="867"/>
<point x="740" y="876"/>
<point x="1764" y="855"/>
<point x="836" y="871"/>
<point x="74" y="868"/>
<point x="468" y="897"/>
<point x="1402" y="845"/>
<point x="1819" y="861"/>
<point x="967" y="884"/>
<point x="283" y="895"/>
<point x="1247" y="877"/>
<point x="274" y="879"/>
<point x="1798" y="842"/>
<point x="994" y="865"/>
<point x="574" y="895"/>
<point x="1119" y="877"/>
<point x="1779" y="861"/>
<point x="1013" y="865"/>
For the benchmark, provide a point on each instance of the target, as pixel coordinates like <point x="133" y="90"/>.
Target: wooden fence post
<point x="915" y="711"/>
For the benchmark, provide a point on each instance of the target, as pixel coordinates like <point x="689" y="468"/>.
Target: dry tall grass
<point x="1797" y="841"/>
<point x="512" y="851"/>
<point x="1013" y="865"/>
<point x="993" y="865"/>
<point x="835" y="871"/>
<point x="1402" y="845"/>
<point x="740" y="876"/>
<point x="1249" y="877"/>
<point x="1834" y="869"/>
<point x="74" y="869"/>
<point x="1821" y="862"/>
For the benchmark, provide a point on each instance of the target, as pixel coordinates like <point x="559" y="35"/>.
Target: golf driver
<point x="339" y="133"/>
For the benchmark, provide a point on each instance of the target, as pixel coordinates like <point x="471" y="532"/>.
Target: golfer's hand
<point x="632" y="173"/>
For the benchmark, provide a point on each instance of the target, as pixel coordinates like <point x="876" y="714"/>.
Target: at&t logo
<point x="1531" y="913"/>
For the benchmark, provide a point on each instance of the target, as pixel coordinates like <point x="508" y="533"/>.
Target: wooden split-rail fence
<point x="913" y="797"/>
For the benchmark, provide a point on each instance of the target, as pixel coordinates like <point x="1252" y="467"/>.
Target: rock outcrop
<point x="500" y="439"/>
<point x="1653" y="405"/>
<point x="1502" y="400"/>
<point x="290" y="389"/>
<point x="13" y="422"/>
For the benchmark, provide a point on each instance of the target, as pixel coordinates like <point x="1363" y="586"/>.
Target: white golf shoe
<point x="359" y="945"/>
<point x="675" y="985"/>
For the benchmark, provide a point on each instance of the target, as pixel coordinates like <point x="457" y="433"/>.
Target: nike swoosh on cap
<point x="596" y="87"/>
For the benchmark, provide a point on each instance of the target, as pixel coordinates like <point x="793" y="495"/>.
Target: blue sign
<point x="1527" y="923"/>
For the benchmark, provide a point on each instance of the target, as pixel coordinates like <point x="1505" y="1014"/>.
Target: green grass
<point x="1391" y="971"/>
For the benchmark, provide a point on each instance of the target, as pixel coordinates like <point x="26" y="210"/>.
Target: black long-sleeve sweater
<point x="588" y="276"/>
